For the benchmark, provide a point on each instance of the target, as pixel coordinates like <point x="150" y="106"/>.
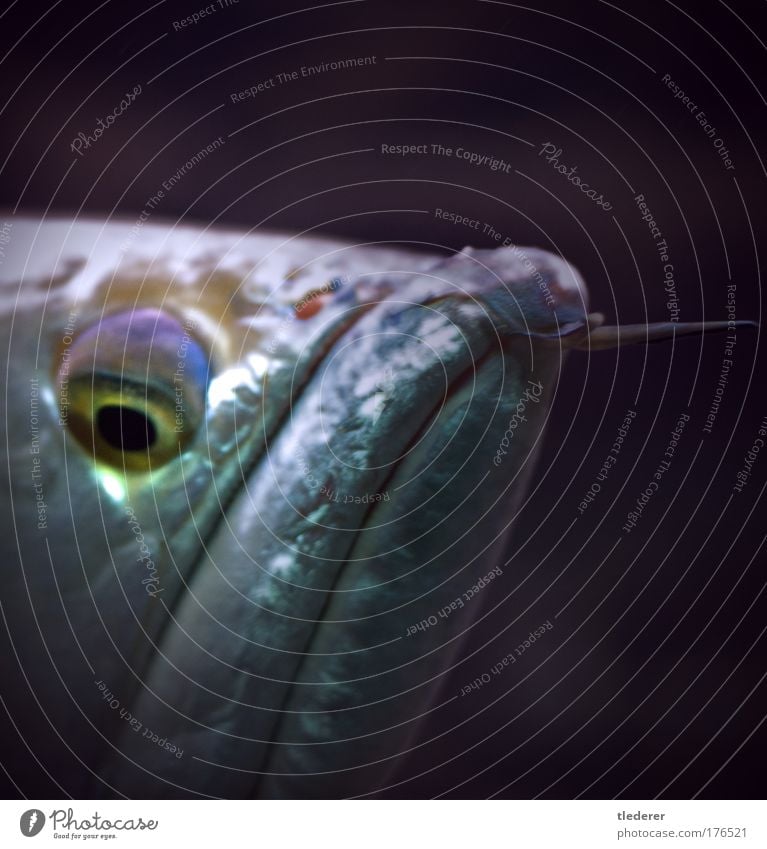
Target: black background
<point x="651" y="681"/>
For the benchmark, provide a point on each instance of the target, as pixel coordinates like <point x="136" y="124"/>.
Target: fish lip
<point x="422" y="431"/>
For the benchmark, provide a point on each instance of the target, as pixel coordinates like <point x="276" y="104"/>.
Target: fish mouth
<point x="381" y="375"/>
<point x="318" y="561"/>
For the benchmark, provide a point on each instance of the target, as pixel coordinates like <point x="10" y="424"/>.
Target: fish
<point x="260" y="485"/>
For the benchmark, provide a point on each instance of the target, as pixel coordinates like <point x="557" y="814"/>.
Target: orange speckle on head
<point x="310" y="305"/>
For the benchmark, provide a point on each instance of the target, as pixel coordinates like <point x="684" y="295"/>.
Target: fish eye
<point x="132" y="388"/>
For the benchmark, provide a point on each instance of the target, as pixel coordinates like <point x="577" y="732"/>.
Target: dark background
<point x="652" y="680"/>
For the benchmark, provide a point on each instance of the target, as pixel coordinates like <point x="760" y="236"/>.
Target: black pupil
<point x="126" y="429"/>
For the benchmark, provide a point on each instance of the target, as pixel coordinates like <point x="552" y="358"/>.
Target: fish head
<point x="249" y="473"/>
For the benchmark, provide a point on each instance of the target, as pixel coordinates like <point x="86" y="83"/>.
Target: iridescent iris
<point x="136" y="388"/>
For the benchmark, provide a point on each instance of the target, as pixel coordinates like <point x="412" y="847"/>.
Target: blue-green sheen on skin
<point x="272" y="651"/>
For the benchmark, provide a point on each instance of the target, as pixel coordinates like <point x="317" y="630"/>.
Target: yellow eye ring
<point x="135" y="389"/>
<point x="125" y="425"/>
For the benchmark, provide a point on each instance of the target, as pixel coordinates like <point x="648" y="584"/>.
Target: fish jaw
<point x="399" y="611"/>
